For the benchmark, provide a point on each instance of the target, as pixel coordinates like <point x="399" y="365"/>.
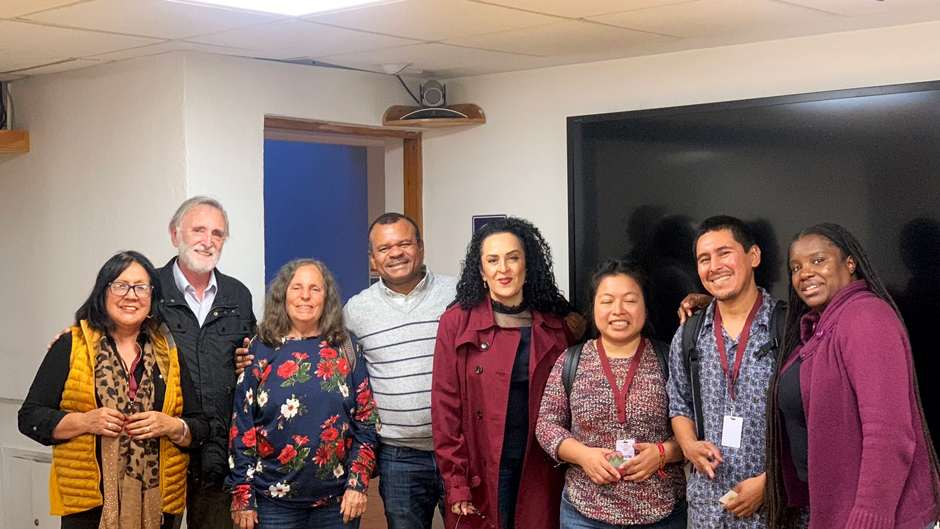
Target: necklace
<point x="295" y="338"/>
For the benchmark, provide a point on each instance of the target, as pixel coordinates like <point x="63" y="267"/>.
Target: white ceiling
<point x="442" y="38"/>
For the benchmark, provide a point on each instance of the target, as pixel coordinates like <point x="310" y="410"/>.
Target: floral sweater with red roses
<point x="304" y="426"/>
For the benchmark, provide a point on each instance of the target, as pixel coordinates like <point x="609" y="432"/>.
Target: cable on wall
<point x="3" y="105"/>
<point x="402" y="81"/>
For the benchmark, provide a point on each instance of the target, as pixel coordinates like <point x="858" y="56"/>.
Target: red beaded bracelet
<point x="662" y="460"/>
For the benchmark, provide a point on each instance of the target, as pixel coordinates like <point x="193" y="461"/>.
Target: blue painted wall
<point x="316" y="205"/>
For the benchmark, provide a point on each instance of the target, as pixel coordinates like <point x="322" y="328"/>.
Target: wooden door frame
<point x="411" y="146"/>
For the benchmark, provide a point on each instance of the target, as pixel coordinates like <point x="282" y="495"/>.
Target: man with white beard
<point x="210" y="315"/>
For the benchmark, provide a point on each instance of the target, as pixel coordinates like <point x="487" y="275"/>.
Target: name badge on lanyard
<point x="731" y="431"/>
<point x="733" y="427"/>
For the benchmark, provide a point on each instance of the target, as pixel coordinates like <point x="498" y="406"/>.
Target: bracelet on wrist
<point x="183" y="433"/>
<point x="662" y="460"/>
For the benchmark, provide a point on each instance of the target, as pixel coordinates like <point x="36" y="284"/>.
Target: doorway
<point x="324" y="183"/>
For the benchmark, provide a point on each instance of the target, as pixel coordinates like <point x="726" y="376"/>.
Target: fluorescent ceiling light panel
<point x="292" y="8"/>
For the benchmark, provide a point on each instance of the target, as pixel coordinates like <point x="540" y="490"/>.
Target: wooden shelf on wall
<point x="14" y="141"/>
<point x="393" y="117"/>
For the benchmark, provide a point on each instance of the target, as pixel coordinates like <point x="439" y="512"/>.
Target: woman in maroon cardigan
<point x="848" y="445"/>
<point x="495" y="349"/>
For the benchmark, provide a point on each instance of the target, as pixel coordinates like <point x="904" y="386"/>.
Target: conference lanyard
<point x="742" y="345"/>
<point x="620" y="396"/>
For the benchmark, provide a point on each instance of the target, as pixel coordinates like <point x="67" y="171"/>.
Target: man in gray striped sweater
<point x="395" y="321"/>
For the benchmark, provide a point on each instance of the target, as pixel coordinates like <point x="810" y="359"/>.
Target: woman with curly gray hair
<point x="305" y="379"/>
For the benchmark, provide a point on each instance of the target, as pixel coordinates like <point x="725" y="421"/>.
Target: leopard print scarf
<point x="130" y="468"/>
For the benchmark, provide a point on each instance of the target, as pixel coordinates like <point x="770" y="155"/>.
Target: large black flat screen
<point x="869" y="159"/>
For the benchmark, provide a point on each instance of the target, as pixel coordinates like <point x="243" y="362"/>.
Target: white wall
<point x="105" y="172"/>
<point x="517" y="162"/>
<point x="227" y="99"/>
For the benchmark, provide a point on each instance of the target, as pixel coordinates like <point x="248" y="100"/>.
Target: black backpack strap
<point x="662" y="356"/>
<point x="570" y="368"/>
<point x="690" y="332"/>
<point x="778" y="324"/>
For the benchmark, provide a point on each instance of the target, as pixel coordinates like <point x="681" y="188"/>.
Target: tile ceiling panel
<point x="714" y="17"/>
<point x="862" y="7"/>
<point x="17" y="8"/>
<point x="151" y="18"/>
<point x="582" y="8"/>
<point x="178" y="45"/>
<point x="563" y="39"/>
<point x="62" y="42"/>
<point x="298" y="38"/>
<point x="441" y="60"/>
<point x="72" y="64"/>
<point x="479" y="36"/>
<point x="17" y="60"/>
<point x="433" y="20"/>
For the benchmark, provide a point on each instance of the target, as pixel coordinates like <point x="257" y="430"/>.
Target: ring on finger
<point x="148" y="429"/>
<point x="110" y="424"/>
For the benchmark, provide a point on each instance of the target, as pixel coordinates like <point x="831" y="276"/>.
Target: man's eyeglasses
<point x="121" y="289"/>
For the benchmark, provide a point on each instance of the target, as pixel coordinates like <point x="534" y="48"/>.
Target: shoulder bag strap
<point x="690" y="332"/>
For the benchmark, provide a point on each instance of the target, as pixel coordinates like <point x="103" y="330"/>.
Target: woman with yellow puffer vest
<point x="116" y="402"/>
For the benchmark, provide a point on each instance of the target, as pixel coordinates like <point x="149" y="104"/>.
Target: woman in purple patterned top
<point x="304" y="426"/>
<point x="647" y="490"/>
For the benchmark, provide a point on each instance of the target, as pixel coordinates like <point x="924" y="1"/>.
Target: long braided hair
<point x="779" y="514"/>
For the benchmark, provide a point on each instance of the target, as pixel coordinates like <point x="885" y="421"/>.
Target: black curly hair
<point x="779" y="514"/>
<point x="539" y="291"/>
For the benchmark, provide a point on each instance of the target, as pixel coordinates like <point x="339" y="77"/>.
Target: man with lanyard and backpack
<point x="721" y="362"/>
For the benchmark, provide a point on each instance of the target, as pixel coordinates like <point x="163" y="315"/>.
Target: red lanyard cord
<point x="742" y="344"/>
<point x="620" y="395"/>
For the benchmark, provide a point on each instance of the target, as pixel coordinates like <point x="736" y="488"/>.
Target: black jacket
<point x="210" y="355"/>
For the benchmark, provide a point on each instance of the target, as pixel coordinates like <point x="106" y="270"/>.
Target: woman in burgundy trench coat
<point x="495" y="349"/>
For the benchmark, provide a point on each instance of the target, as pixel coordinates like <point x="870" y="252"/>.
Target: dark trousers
<point x="510" y="476"/>
<point x="91" y="518"/>
<point x="208" y="507"/>
<point x="411" y="487"/>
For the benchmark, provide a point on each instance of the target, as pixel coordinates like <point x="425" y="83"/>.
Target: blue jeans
<point x="411" y="487"/>
<point x="273" y="516"/>
<point x="572" y="519"/>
